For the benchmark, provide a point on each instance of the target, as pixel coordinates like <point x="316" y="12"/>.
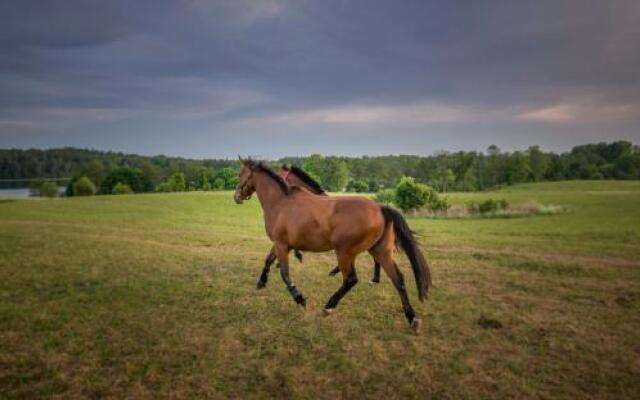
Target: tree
<point x="84" y="187"/>
<point x="175" y="183"/>
<point x="331" y="172"/>
<point x="538" y="162"/>
<point x="313" y="165"/>
<point x="35" y="186"/>
<point x="358" y="186"/>
<point x="132" y="177"/>
<point x="444" y="179"/>
<point x="229" y="177"/>
<point x="94" y="170"/>
<point x="518" y="169"/>
<point x="217" y="184"/>
<point x="204" y="178"/>
<point x="151" y="173"/>
<point x="334" y="174"/>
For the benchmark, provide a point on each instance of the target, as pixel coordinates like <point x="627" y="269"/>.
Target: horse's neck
<point x="269" y="194"/>
<point x="295" y="181"/>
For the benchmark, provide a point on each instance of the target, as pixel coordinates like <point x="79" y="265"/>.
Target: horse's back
<point x="318" y="223"/>
<point x="357" y="222"/>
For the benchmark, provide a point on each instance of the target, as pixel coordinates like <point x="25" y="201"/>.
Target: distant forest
<point x="445" y="171"/>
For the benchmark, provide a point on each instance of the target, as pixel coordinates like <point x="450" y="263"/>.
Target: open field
<point x="151" y="296"/>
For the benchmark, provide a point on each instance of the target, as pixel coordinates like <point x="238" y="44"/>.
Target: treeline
<point x="473" y="171"/>
<point x="445" y="171"/>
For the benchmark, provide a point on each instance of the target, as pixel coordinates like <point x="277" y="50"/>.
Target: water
<point x="22" y="193"/>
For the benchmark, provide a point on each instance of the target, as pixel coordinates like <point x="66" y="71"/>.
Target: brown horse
<point x="297" y="219"/>
<point x="295" y="176"/>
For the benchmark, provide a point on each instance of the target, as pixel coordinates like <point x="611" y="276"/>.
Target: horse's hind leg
<point x="391" y="268"/>
<point x="282" y="252"/>
<point x="264" y="276"/>
<point x="374" y="279"/>
<point x="376" y="273"/>
<point x="349" y="280"/>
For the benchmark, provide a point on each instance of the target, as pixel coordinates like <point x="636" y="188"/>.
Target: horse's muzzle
<point x="240" y="197"/>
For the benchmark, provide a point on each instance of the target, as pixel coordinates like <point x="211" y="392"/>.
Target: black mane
<point x="304" y="177"/>
<point x="262" y="167"/>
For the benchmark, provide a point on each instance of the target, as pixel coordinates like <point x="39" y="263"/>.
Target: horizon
<point x="203" y="79"/>
<point x="226" y="158"/>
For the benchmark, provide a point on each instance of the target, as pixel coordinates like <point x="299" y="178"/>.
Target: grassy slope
<point x="152" y="295"/>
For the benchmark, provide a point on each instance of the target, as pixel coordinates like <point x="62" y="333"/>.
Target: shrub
<point x="164" y="187"/>
<point x="487" y="206"/>
<point x="84" y="187"/>
<point x="384" y="196"/>
<point x="410" y="195"/>
<point x="437" y="203"/>
<point x="49" y="189"/>
<point x="121" y="188"/>
<point x="358" y="186"/>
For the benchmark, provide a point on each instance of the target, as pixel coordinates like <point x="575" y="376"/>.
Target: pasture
<point x="153" y="296"/>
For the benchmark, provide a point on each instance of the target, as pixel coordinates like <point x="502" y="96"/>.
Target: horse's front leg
<point x="264" y="276"/>
<point x="282" y="252"/>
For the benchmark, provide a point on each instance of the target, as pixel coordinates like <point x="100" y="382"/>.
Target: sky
<point x="272" y="78"/>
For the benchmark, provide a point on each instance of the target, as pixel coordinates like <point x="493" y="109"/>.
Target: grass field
<point x="153" y="296"/>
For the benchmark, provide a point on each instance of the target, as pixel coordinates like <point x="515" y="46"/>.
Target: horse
<point x="295" y="176"/>
<point x="297" y="219"/>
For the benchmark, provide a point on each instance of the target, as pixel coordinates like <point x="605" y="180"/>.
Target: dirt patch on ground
<point x="489" y="323"/>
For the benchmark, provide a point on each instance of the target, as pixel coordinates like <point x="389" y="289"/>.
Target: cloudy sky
<point x="202" y="78"/>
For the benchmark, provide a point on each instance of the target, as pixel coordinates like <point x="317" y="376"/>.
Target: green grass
<point x="154" y="296"/>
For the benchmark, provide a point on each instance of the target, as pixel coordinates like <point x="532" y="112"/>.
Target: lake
<point x="22" y="193"/>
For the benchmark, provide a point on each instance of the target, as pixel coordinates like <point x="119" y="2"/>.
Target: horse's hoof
<point x="416" y="324"/>
<point x="301" y="300"/>
<point x="261" y="284"/>
<point x="373" y="282"/>
<point x="327" y="311"/>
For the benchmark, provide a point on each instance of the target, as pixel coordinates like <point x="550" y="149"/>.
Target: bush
<point x="487" y="206"/>
<point x="410" y="195"/>
<point x="437" y="203"/>
<point x="358" y="186"/>
<point x="164" y="187"/>
<point x="84" y="187"/>
<point x="385" y="196"/>
<point x="49" y="189"/>
<point x="121" y="188"/>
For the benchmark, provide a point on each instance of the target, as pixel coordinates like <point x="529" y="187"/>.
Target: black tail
<point x="409" y="245"/>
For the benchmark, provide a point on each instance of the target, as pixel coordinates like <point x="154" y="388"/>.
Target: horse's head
<point x="246" y="185"/>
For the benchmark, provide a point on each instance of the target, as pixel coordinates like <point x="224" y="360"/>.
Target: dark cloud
<point x="300" y="76"/>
